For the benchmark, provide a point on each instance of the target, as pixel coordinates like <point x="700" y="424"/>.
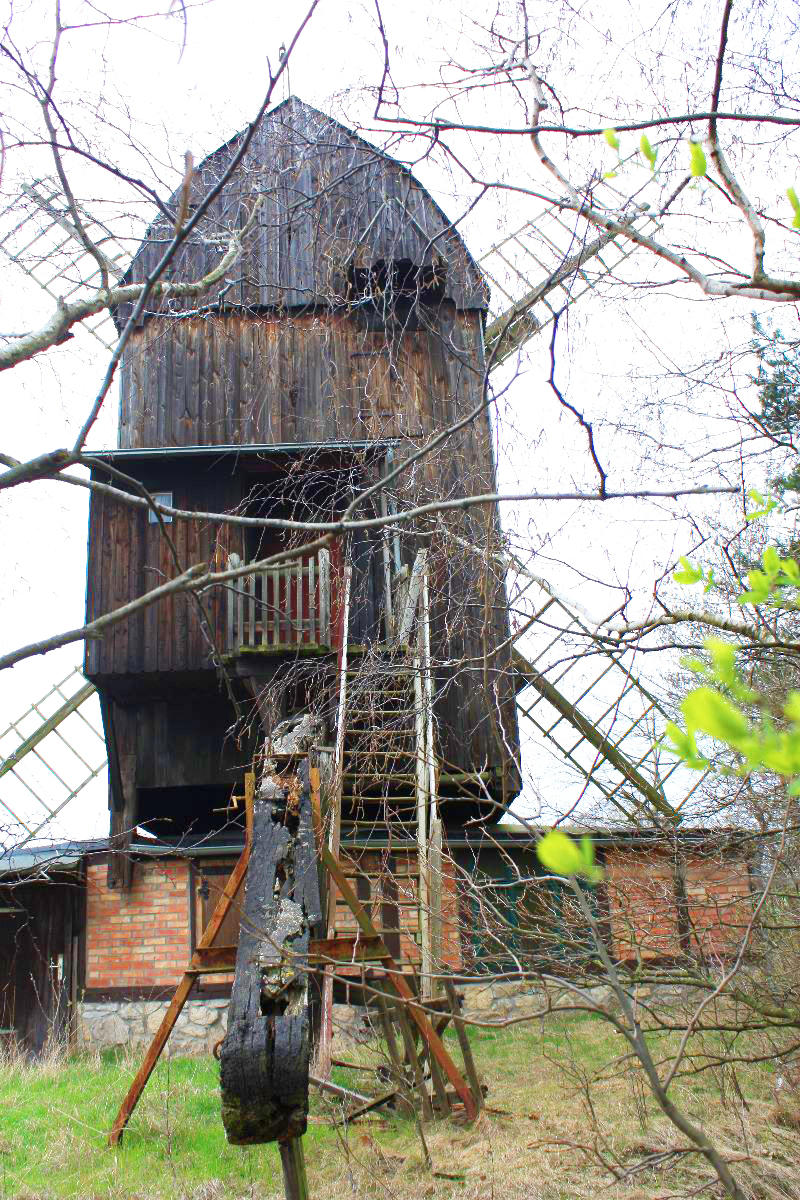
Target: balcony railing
<point x="286" y="607"/>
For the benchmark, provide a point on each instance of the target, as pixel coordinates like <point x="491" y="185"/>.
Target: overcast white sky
<point x="169" y="101"/>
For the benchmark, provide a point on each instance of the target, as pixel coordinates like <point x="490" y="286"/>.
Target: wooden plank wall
<point x="38" y="960"/>
<point x="328" y="200"/>
<point x="128" y="556"/>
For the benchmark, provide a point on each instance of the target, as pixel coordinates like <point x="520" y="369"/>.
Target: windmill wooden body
<point x="349" y="338"/>
<point x="346" y="354"/>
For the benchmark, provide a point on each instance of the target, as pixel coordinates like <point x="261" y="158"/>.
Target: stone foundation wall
<point x="114" y="1024"/>
<point x="117" y="1024"/>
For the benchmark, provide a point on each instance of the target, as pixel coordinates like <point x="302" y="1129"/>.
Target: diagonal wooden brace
<point x="200" y="964"/>
<point x="400" y="985"/>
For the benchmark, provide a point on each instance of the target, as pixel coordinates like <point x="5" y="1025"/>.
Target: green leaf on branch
<point x="697" y="160"/>
<point x="771" y="560"/>
<point x="706" y="711"/>
<point x="759" y="589"/>
<point x="689" y="575"/>
<point x="685" y="746"/>
<point x="795" y="203"/>
<point x="648" y="152"/>
<point x="561" y="854"/>
<point x="765" y="506"/>
<point x="611" y="137"/>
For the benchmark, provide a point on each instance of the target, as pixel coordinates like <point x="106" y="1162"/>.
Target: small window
<point x="160" y="498"/>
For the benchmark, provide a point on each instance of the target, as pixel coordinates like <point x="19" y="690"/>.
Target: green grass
<point x="54" y="1120"/>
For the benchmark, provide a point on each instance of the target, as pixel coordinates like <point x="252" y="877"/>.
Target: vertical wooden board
<point x="95" y="579"/>
<point x="184" y="608"/>
<point x="231" y="415"/>
<point x="270" y="331"/>
<point x="121" y="535"/>
<point x="246" y="380"/>
<point x="165" y="618"/>
<point x="180" y="352"/>
<point x="150" y="432"/>
<point x="163" y="347"/>
<point x="209" y="386"/>
<point x="196" y="341"/>
<point x="107" y="568"/>
<point x="138" y="518"/>
<point x="151" y="542"/>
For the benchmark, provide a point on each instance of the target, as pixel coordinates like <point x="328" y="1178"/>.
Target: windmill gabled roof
<point x="327" y="201"/>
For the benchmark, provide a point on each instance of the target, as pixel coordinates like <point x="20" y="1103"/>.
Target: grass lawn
<point x="541" y="1138"/>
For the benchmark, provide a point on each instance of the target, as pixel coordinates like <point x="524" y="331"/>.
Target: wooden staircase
<point x="380" y="751"/>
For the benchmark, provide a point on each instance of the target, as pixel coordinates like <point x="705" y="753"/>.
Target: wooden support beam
<point x="211" y="960"/>
<point x="412" y="1058"/>
<point x="463" y="1041"/>
<point x="295" y="1184"/>
<point x="375" y="1102"/>
<point x="347" y="949"/>
<point x="400" y="985"/>
<point x="195" y="968"/>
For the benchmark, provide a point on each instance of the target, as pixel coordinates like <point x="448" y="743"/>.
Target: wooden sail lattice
<point x="48" y="756"/>
<point x="583" y="700"/>
<point x="545" y="265"/>
<point x="41" y="238"/>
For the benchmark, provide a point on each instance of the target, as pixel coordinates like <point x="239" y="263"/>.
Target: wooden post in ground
<point x="293" y="1161"/>
<point x="463" y="1041"/>
<point x="323" y="1057"/>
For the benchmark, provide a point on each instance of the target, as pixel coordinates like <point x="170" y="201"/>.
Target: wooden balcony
<point x="282" y="609"/>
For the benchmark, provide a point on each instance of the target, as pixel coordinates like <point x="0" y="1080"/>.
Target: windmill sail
<point x="544" y="266"/>
<point x="582" y="699"/>
<point x="41" y="238"/>
<point x="49" y="755"/>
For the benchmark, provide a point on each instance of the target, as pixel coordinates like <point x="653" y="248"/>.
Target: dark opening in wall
<point x="186" y="812"/>
<point x="396" y="291"/>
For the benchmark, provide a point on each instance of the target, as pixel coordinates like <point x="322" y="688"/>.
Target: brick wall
<point x="141" y="938"/>
<point x="138" y="938"/>
<point x="642" y="906"/>
<point x="376" y="876"/>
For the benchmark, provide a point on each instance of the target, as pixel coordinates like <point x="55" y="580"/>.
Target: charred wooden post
<point x="264" y="1057"/>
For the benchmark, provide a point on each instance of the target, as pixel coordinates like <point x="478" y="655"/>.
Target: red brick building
<point x="106" y="977"/>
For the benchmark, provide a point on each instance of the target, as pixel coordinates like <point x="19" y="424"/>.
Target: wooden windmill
<point x="350" y="337"/>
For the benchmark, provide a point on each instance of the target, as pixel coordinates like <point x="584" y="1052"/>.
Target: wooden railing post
<point x="268" y="608"/>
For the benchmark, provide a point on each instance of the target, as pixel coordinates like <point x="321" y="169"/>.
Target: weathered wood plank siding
<point x="327" y="200"/>
<point x="285" y="351"/>
<point x="129" y="556"/>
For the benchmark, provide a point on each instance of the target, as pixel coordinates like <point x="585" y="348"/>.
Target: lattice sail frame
<point x="547" y="264"/>
<point x="49" y="755"/>
<point x="40" y="237"/>
<point x="585" y="702"/>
